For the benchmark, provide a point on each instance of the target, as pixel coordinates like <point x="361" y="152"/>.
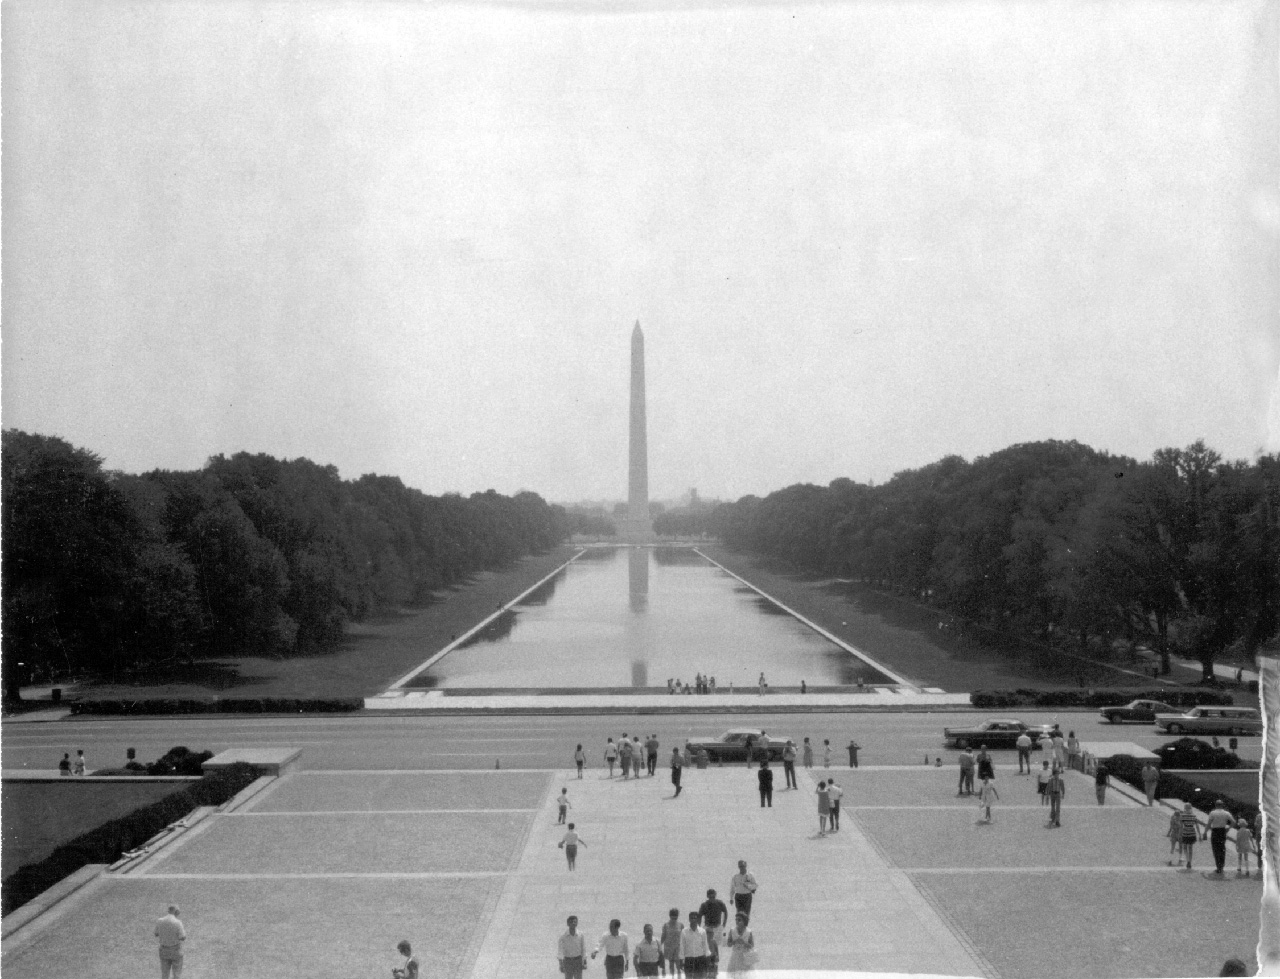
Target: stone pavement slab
<point x="386" y="791"/>
<point x="828" y="903"/>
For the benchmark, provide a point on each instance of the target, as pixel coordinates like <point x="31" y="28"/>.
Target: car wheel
<point x="713" y="758"/>
<point x="1175" y="728"/>
<point x="1111" y="718"/>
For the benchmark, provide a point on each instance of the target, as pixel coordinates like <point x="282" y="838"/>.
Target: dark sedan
<point x="732" y="745"/>
<point x="1193" y="753"/>
<point x="1137" y="711"/>
<point x="999" y="733"/>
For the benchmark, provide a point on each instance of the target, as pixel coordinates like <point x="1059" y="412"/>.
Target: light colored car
<point x="1211" y="720"/>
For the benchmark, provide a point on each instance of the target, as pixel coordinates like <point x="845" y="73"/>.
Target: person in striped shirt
<point x="1188" y="832"/>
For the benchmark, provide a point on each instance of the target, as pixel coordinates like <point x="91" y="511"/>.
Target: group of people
<point x="691" y="950"/>
<point x="1185" y="830"/>
<point x="67" y="766"/>
<point x="701" y="684"/>
<point x="631" y="755"/>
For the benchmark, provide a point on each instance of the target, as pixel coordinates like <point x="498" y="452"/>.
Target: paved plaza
<point x="326" y="870"/>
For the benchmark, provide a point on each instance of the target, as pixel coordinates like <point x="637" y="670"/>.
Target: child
<point x="826" y="753"/>
<point x="1244" y="847"/>
<point x="1188" y="832"/>
<point x="671" y="944"/>
<point x="987" y="796"/>
<point x="610" y="755"/>
<point x="1174" y="833"/>
<point x="1042" y="781"/>
<point x="564" y="805"/>
<point x="570" y="846"/>
<point x="80" y="761"/>
<point x="580" y="759"/>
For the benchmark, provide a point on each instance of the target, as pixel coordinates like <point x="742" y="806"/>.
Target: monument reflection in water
<point x="634" y="617"/>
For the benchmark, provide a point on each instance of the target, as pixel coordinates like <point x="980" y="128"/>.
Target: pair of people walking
<point x="829" y="795"/>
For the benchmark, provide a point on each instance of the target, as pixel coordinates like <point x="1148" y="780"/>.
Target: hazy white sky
<point x="413" y="238"/>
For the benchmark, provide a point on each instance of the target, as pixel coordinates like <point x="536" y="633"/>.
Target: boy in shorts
<point x="562" y="804"/>
<point x="1042" y="782"/>
<point x="570" y="846"/>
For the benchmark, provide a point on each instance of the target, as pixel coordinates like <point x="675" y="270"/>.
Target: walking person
<point x="742" y="889"/>
<point x="694" y="949"/>
<point x="409" y="968"/>
<point x="1059" y="748"/>
<point x="64" y="766"/>
<point x="624" y="757"/>
<point x="637" y="755"/>
<point x="834" y="792"/>
<point x="824" y="808"/>
<point x="807" y="756"/>
<point x="616" y="950"/>
<point x="826" y="752"/>
<point x="742" y="947"/>
<point x="1073" y="750"/>
<point x="789" y="764"/>
<point x="1024" y="753"/>
<point x="79" y="768"/>
<point x="987" y="796"/>
<point x="751" y="748"/>
<point x="853" y="747"/>
<point x="1188" y="833"/>
<point x="651" y="754"/>
<point x="1056" y="790"/>
<point x="1218" y="823"/>
<point x="610" y="755"/>
<point x="171" y="933"/>
<point x="571" y="950"/>
<point x="671" y="943"/>
<point x="1244" y="849"/>
<point x="648" y="954"/>
<point x="1042" y="782"/>
<point x="563" y="804"/>
<point x="1150" y="781"/>
<point x="1101" y="779"/>
<point x="677" y="763"/>
<point x="570" y="846"/>
<point x="986" y="768"/>
<point x="580" y="759"/>
<point x="765" y="777"/>
<point x="966" y="772"/>
<point x="714" y="915"/>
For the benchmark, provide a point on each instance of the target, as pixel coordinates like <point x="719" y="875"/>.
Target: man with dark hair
<point x="694" y="950"/>
<point x="1218" y="821"/>
<point x="409" y="968"/>
<point x="715" y="915"/>
<point x="572" y="951"/>
<point x="742" y="889"/>
<point x="616" y="950"/>
<point x="765" y="776"/>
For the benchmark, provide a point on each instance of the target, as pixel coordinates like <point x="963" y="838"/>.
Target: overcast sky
<point x="413" y="238"/>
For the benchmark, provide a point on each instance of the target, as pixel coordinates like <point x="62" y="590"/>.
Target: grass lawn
<point x="374" y="653"/>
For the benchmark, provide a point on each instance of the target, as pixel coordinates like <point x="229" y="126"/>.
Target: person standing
<point x="408" y="969"/>
<point x="987" y="797"/>
<point x="761" y="684"/>
<point x="671" y="943"/>
<point x="580" y="759"/>
<point x="637" y="754"/>
<point x="648" y="954"/>
<point x="714" y="916"/>
<point x="742" y="889"/>
<point x="807" y="756"/>
<point x="1219" y="822"/>
<point x="1244" y="848"/>
<point x="610" y="755"/>
<point x="563" y="804"/>
<point x="751" y="748"/>
<point x="853" y="747"/>
<point x="616" y="950"/>
<point x="1174" y="834"/>
<point x="986" y="769"/>
<point x="1056" y="790"/>
<point x="570" y="846"/>
<point x="834" y="792"/>
<point x="79" y="769"/>
<point x="1101" y="779"/>
<point x="571" y="950"/>
<point x="1024" y="753"/>
<point x="712" y="685"/>
<point x="826" y="752"/>
<point x="789" y="764"/>
<point x="64" y="766"/>
<point x="1150" y="781"/>
<point x="762" y="746"/>
<point x="1042" y="782"/>
<point x="966" y="772"/>
<point x="742" y="946"/>
<point x="824" y="808"/>
<point x="1073" y="750"/>
<point x="624" y="757"/>
<point x="765" y="777"/>
<point x="1059" y="748"/>
<point x="171" y="933"/>
<point x="694" y="950"/>
<point x="651" y="754"/>
<point x="677" y="763"/>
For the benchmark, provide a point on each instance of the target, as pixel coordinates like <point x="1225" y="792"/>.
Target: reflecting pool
<point x="636" y="617"/>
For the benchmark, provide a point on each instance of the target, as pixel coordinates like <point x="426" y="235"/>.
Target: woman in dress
<point x="824" y="808"/>
<point x="671" y="944"/>
<point x="742" y="945"/>
<point x="808" y="754"/>
<point x="1073" y="750"/>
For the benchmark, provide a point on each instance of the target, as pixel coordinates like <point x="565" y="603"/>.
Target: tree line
<point x="1051" y="540"/>
<point x="104" y="572"/>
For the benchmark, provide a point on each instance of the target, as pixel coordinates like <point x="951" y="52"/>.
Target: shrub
<point x="1129" y="770"/>
<point x="1187" y="697"/>
<point x="215" y="705"/>
<point x="113" y="839"/>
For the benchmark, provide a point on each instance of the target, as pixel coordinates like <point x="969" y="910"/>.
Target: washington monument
<point x="637" y="525"/>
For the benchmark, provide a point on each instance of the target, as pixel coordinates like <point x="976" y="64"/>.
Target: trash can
<point x="56" y="695"/>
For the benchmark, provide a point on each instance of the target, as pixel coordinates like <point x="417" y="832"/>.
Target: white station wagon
<point x="1211" y="720"/>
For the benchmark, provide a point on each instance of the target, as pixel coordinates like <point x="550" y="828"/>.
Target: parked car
<point x="1193" y="753"/>
<point x="1144" y="711"/>
<point x="1211" y="720"/>
<point x="732" y="745"/>
<point x="997" y="733"/>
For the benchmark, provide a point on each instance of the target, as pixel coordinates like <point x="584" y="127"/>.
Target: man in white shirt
<point x="742" y="888"/>
<point x="571" y="950"/>
<point x="172" y="934"/>
<point x="1024" y="752"/>
<point x="834" y="792"/>
<point x="694" y="950"/>
<point x="616" y="950"/>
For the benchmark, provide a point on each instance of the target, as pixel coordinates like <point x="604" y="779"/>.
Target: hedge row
<point x="1175" y="697"/>
<point x="1129" y="770"/>
<point x="217" y="705"/>
<point x="113" y="839"/>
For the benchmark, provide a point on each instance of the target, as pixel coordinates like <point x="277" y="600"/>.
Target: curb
<point x="34" y="909"/>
